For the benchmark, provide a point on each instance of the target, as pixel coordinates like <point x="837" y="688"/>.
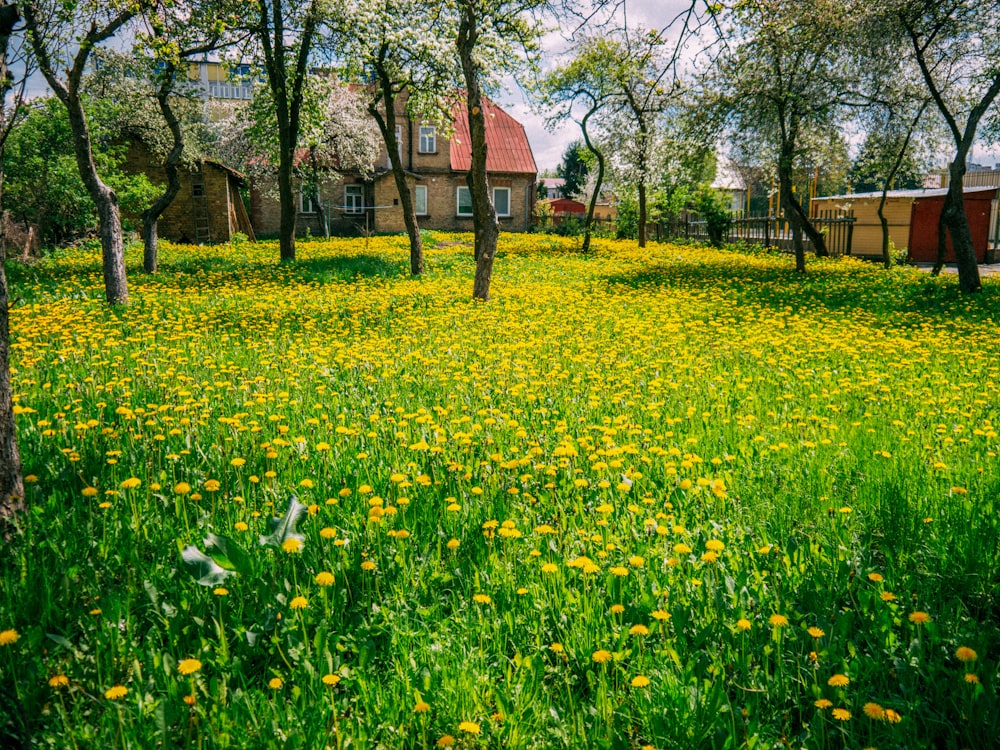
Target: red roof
<point x="566" y="206"/>
<point x="507" y="147"/>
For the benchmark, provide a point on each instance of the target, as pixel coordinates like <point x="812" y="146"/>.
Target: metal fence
<point x="768" y="230"/>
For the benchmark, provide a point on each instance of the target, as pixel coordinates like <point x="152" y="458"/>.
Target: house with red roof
<point x="436" y="169"/>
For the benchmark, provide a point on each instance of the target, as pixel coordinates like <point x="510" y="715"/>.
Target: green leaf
<point x="205" y="570"/>
<point x="229" y="554"/>
<point x="283" y="529"/>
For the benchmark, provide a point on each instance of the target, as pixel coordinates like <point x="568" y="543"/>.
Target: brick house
<point x="208" y="208"/>
<point x="437" y="170"/>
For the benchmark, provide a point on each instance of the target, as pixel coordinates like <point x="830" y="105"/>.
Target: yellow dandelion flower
<point x="116" y="692"/>
<point x="324" y="578"/>
<point x="368" y="565"/>
<point x="556" y="648"/>
<point x="617" y="609"/>
<point x="469" y="727"/>
<point x="639" y="630"/>
<point x="189" y="666"/>
<point x="743" y="624"/>
<point x="453" y="544"/>
<point x="275" y="683"/>
<point x="660" y="614"/>
<point x="330" y="680"/>
<point x="481" y="598"/>
<point x="291" y="545"/>
<point x="422" y="707"/>
<point x="299" y="602"/>
<point x="237" y="462"/>
<point x="823" y="703"/>
<point x="8" y="637"/>
<point x="971" y="678"/>
<point x="445" y="740"/>
<point x="328" y="533"/>
<point x="90" y="491"/>
<point x="816" y="632"/>
<point x="129" y="484"/>
<point x="919" y="618"/>
<point x="640" y="681"/>
<point x="220" y="591"/>
<point x="875" y="577"/>
<point x="964" y="654"/>
<point x="714" y="545"/>
<point x="212" y="485"/>
<point x="841" y="714"/>
<point x="887" y="596"/>
<point x="892" y="717"/>
<point x="240" y="526"/>
<point x="182" y="488"/>
<point x="778" y="621"/>
<point x="874" y="711"/>
<point x="601" y="656"/>
<point x="59" y="681"/>
<point x="839" y="680"/>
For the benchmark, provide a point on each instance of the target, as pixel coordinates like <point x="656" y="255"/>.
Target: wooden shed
<point x="913" y="217"/>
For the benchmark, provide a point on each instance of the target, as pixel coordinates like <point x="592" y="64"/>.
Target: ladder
<point x="202" y="227"/>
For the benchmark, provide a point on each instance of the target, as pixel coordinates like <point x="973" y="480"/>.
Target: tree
<point x="582" y="81"/>
<point x="11" y="481"/>
<point x="493" y="35"/>
<point x="336" y="135"/>
<point x="638" y="71"/>
<point x="406" y="47"/>
<point x="783" y="79"/>
<point x="286" y="31"/>
<point x="953" y="43"/>
<point x="58" y="29"/>
<point x="174" y="34"/>
<point x="42" y="178"/>
<point x="573" y="169"/>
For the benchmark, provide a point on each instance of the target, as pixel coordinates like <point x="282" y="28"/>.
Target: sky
<point x="548" y="146"/>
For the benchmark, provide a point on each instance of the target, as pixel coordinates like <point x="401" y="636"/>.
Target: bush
<point x="713" y="209"/>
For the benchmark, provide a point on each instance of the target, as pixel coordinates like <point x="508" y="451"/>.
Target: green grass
<point x="666" y="465"/>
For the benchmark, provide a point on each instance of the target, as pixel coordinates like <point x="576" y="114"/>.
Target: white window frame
<point x="497" y="190"/>
<point x="306" y="205"/>
<point x="458" y="201"/>
<point x="428" y="136"/>
<point x="417" y="190"/>
<point x="351" y="192"/>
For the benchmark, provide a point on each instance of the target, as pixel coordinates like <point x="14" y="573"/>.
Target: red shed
<point x="563" y="206"/>
<point x="980" y="207"/>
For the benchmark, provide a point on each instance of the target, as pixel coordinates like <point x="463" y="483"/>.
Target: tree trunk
<point x="484" y="216"/>
<point x="886" y="260"/>
<point x="786" y="200"/>
<point x="589" y="224"/>
<point x="11" y="484"/>
<point x="106" y="201"/>
<point x="288" y="204"/>
<point x="954" y="217"/>
<point x="642" y="211"/>
<point x="152" y="215"/>
<point x="387" y="124"/>
<point x="104" y="198"/>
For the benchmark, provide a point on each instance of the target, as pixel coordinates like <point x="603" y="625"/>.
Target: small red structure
<point x="980" y="207"/>
<point x="564" y="206"/>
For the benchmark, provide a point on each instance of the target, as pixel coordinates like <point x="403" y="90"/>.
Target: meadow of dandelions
<point x="669" y="498"/>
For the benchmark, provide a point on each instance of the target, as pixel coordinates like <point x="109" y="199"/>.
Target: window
<point x="399" y="144"/>
<point x="306" y="205"/>
<point x="354" y="199"/>
<point x="464" y="202"/>
<point x="501" y="201"/>
<point x="428" y="139"/>
<point x="420" y="200"/>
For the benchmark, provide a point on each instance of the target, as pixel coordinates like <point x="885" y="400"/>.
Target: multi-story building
<point x="436" y="172"/>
